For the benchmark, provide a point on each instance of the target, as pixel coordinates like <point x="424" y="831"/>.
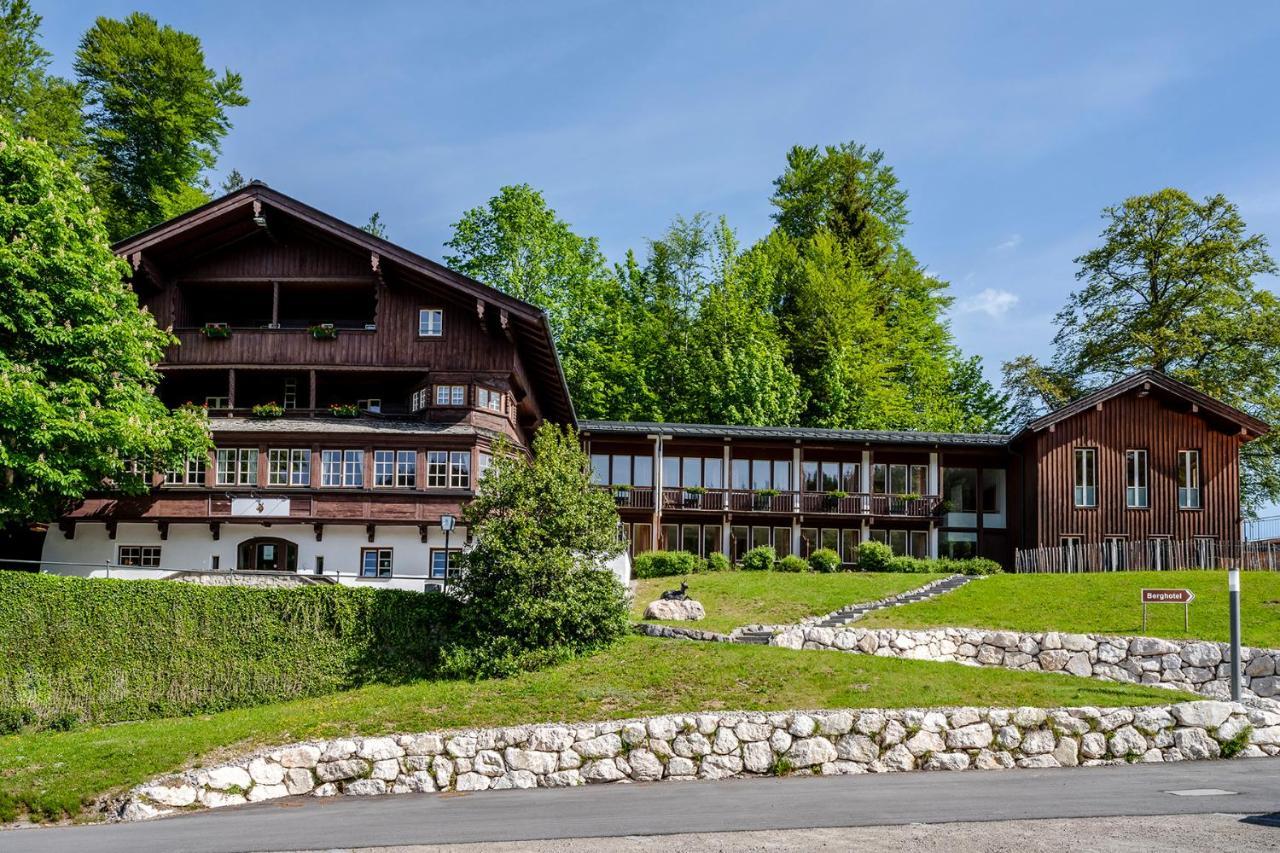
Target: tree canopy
<point x="77" y="355"/>
<point x="1171" y="287"/>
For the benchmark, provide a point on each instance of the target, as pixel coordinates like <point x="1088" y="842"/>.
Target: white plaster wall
<point x="191" y="546"/>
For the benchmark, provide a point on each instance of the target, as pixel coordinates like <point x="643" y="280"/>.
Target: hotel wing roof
<point x="863" y="436"/>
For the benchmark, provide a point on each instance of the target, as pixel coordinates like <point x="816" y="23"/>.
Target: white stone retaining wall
<point x="718" y="746"/>
<point x="1197" y="666"/>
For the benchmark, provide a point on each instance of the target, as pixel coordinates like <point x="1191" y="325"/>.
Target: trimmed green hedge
<point x="665" y="564"/>
<point x="76" y="650"/>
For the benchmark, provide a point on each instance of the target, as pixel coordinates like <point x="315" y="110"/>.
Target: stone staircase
<point x="760" y="636"/>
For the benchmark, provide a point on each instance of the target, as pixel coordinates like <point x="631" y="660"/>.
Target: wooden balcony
<point x="769" y="502"/>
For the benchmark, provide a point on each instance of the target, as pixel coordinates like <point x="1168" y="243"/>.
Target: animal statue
<point x="681" y="594"/>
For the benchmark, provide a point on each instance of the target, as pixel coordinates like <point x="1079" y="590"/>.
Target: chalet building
<point x="356" y="390"/>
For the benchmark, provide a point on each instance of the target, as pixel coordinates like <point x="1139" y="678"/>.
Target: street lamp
<point x="447" y="523"/>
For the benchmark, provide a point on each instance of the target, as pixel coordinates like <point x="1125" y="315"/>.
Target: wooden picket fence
<point x="1149" y="555"/>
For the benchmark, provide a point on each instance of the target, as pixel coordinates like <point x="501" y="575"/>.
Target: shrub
<point x="907" y="565"/>
<point x="665" y="564"/>
<point x="824" y="560"/>
<point x="718" y="562"/>
<point x="97" y="651"/>
<point x="792" y="563"/>
<point x="874" y="556"/>
<point x="974" y="566"/>
<point x="758" y="559"/>
<point x="532" y="587"/>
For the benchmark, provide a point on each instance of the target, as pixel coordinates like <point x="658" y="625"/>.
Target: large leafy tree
<point x="35" y="102"/>
<point x="517" y="243"/>
<point x="534" y="583"/>
<point x="1172" y="287"/>
<point x="77" y="355"/>
<point x="157" y="116"/>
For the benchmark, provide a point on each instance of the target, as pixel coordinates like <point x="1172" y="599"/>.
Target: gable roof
<point x="859" y="436"/>
<point x="1149" y="381"/>
<point x="234" y="216"/>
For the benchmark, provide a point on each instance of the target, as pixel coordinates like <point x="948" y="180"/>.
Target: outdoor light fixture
<point x="447" y="523"/>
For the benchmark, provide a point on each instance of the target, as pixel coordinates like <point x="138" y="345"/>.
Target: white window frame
<point x="437" y="469"/>
<point x="141" y="556"/>
<point x="1136" y="479"/>
<point x="448" y="570"/>
<point x="406" y="469"/>
<point x="331" y="468"/>
<point x="460" y="469"/>
<point x="191" y="473"/>
<point x="342" y="468"/>
<point x="430" y="322"/>
<point x="1190" y="495"/>
<point x="236" y="466"/>
<point x="489" y="399"/>
<point x="418" y="400"/>
<point x="384" y="469"/>
<point x="290" y="467"/>
<point x="217" y="402"/>
<point x="1085" y="478"/>
<point x="451" y="395"/>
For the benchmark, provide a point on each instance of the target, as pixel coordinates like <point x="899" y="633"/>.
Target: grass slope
<point x="49" y="773"/>
<point x="733" y="599"/>
<point x="1100" y="604"/>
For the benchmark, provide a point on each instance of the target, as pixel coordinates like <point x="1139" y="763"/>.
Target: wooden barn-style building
<point x="356" y="389"/>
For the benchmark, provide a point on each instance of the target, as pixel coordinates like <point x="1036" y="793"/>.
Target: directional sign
<point x="1167" y="596"/>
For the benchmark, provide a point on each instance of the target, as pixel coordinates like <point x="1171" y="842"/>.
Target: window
<point x="1188" y="479"/>
<point x="460" y="469"/>
<point x="375" y="562"/>
<point x="830" y="472"/>
<point x="489" y="399"/>
<point x="1115" y="553"/>
<point x="781" y="541"/>
<point x="879" y="479"/>
<point x="437" y="469"/>
<point x="691" y="471"/>
<point x="641" y="538"/>
<point x="599" y="469"/>
<point x="920" y="479"/>
<point x="760" y="474"/>
<point x="406" y="468"/>
<point x="760" y="537"/>
<point x="372" y="404"/>
<point x="738" y="537"/>
<point x="237" y="466"/>
<point x="384" y="468"/>
<point x="288" y="467"/>
<point x="444" y="564"/>
<point x="342" y="468"/>
<point x="670" y="537"/>
<point x="690" y="538"/>
<point x="217" y="402"/>
<point x="830" y="539"/>
<point x="808" y="541"/>
<point x="451" y="395"/>
<point x="960" y="488"/>
<point x="642" y="474"/>
<point x="809" y="476"/>
<point x="483" y="461"/>
<point x="898" y="482"/>
<point x="430" y="322"/>
<point x="191" y="473"/>
<point x="395" y="468"/>
<point x="958" y="545"/>
<point x="418" y="400"/>
<point x="1086" y="477"/>
<point x="919" y="544"/>
<point x="851" y="538"/>
<point x="711" y="539"/>
<point x="740" y="471"/>
<point x="1135" y="479"/>
<point x="143" y="556"/>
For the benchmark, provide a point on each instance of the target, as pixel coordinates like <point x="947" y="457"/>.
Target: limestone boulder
<point x="684" y="611"/>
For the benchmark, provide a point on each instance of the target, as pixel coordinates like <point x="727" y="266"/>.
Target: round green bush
<point x="907" y="565"/>
<point x="760" y="559"/>
<point x="665" y="564"/>
<point x="792" y="563"/>
<point x="824" y="560"/>
<point x="717" y="562"/>
<point x="874" y="556"/>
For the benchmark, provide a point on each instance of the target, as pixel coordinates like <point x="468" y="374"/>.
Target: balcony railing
<point x="768" y="501"/>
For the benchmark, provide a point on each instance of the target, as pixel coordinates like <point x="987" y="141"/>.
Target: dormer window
<point x="418" y="400"/>
<point x="487" y="398"/>
<point x="430" y="322"/>
<point x="451" y="395"/>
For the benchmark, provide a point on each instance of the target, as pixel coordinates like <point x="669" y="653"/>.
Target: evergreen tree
<point x="233" y="181"/>
<point x="375" y="226"/>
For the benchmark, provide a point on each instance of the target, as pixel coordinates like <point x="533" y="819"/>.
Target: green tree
<point x="517" y="243"/>
<point x="986" y="409"/>
<point x="77" y="356"/>
<point x="157" y="116"/>
<point x="35" y="102"/>
<point x="534" y="587"/>
<point x="233" y="181"/>
<point x="1172" y="288"/>
<point x="375" y="226"/>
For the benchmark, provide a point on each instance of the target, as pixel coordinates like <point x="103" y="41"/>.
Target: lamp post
<point x="447" y="523"/>
<point x="1233" y="596"/>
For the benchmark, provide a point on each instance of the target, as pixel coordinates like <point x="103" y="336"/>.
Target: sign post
<point x="1168" y="596"/>
<point x="1233" y="593"/>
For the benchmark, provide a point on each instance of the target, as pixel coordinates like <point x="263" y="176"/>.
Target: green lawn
<point x="733" y="599"/>
<point x="52" y="772"/>
<point x="1100" y="604"/>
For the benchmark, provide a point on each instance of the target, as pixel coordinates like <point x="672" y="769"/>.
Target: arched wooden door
<point x="267" y="554"/>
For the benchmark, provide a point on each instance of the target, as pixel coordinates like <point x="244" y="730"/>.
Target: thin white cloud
<point x="1009" y="245"/>
<point x="992" y="302"/>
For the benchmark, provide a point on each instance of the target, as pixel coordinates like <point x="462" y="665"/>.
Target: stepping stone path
<point x="854" y="612"/>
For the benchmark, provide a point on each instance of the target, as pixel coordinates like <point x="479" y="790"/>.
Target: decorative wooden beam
<point x="504" y="320"/>
<point x="163" y="528"/>
<point x="375" y="262"/>
<point x="111" y="530"/>
<point x="319" y="529"/>
<point x="371" y="529"/>
<point x="480" y="310"/>
<point x="215" y="530"/>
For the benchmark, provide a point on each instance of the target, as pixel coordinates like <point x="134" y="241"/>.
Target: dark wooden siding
<point x="1124" y="423"/>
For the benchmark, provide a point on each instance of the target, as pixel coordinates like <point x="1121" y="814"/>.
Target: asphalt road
<point x="694" y="807"/>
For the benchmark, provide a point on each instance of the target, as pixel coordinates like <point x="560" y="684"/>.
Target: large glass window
<point x="1188" y="479"/>
<point x="1135" y="479"/>
<point x="741" y="471"/>
<point x="879" y="479"/>
<point x="851" y="537"/>
<point x="809" y="476"/>
<point x="621" y="475"/>
<point x="760" y="537"/>
<point x="642" y="471"/>
<point x="691" y="470"/>
<point x="288" y="467"/>
<point x="690" y="538"/>
<point x="670" y="472"/>
<point x="781" y="541"/>
<point x="898" y="479"/>
<point x="460" y="469"/>
<point x="713" y="473"/>
<point x="958" y="544"/>
<point x="406" y="468"/>
<point x="760" y="474"/>
<point x="331" y="467"/>
<point x="920" y="479"/>
<point x="599" y="469"/>
<point x="438" y="469"/>
<point x="710" y="539"/>
<point x="739" y="536"/>
<point x="960" y="487"/>
<point x="782" y="474"/>
<point x="1086" y="477"/>
<point x="375" y="562"/>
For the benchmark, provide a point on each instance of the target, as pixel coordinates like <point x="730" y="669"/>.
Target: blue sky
<point x="1011" y="124"/>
